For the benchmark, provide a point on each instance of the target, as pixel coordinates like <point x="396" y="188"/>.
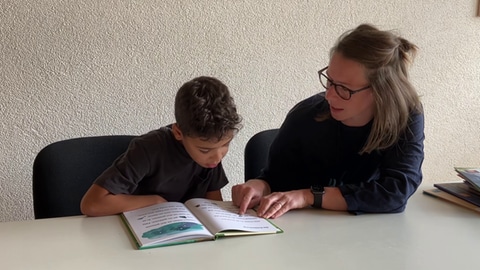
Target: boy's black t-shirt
<point x="156" y="163"/>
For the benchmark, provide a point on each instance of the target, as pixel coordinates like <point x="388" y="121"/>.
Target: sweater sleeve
<point x="397" y="178"/>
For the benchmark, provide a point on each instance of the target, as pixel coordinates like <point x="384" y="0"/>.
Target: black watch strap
<point x="317" y="192"/>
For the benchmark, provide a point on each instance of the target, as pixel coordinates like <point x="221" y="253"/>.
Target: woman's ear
<point x="177" y="132"/>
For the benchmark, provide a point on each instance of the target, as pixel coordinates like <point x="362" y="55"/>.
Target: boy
<point x="176" y="162"/>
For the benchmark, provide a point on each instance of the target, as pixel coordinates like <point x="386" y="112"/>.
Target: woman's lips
<point x="334" y="109"/>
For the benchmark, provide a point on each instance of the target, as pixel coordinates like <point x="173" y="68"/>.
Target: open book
<point x="174" y="223"/>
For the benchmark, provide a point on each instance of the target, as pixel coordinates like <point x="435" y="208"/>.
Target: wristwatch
<point x="317" y="192"/>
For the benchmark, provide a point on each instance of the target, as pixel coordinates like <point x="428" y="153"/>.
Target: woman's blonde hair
<point x="386" y="57"/>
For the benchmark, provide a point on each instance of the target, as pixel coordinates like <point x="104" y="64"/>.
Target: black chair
<point x="256" y="152"/>
<point x="63" y="171"/>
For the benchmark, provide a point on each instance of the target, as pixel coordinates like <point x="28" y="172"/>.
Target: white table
<point x="430" y="234"/>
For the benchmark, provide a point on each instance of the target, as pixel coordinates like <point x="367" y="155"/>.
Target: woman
<point x="356" y="147"/>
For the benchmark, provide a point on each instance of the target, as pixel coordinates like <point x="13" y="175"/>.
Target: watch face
<point x="317" y="189"/>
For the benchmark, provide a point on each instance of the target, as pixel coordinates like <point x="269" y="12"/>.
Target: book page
<point x="165" y="223"/>
<point x="219" y="216"/>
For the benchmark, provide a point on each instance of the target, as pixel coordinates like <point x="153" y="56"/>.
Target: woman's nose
<point x="330" y="93"/>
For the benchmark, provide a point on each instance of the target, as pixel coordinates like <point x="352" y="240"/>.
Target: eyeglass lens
<point x="340" y="90"/>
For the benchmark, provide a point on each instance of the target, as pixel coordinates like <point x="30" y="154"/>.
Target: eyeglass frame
<point x="350" y="91"/>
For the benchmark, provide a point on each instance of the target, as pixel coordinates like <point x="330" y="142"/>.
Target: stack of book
<point x="465" y="193"/>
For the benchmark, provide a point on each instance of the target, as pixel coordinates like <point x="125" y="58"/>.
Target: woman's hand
<point x="278" y="203"/>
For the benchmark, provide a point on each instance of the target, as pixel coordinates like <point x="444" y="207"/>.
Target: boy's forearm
<point x="214" y="195"/>
<point x="114" y="204"/>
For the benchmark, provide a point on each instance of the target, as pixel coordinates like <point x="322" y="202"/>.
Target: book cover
<point x="437" y="193"/>
<point x="174" y="223"/>
<point x="460" y="190"/>
<point x="470" y="174"/>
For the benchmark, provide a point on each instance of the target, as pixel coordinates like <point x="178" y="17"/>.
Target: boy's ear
<point x="177" y="132"/>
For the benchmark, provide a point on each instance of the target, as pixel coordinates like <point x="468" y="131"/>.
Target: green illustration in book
<point x="173" y="228"/>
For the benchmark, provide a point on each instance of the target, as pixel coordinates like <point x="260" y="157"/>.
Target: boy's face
<point x="207" y="153"/>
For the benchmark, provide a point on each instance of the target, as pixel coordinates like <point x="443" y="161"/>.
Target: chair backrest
<point x="256" y="152"/>
<point x="63" y="171"/>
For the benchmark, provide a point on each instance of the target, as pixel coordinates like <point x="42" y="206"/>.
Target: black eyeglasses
<point x="342" y="91"/>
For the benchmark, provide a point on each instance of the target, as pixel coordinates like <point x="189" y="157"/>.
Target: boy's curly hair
<point x="205" y="109"/>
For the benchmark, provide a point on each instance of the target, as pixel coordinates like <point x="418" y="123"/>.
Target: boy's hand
<point x="248" y="195"/>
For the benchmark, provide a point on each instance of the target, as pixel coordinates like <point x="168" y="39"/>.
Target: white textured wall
<point x="76" y="68"/>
